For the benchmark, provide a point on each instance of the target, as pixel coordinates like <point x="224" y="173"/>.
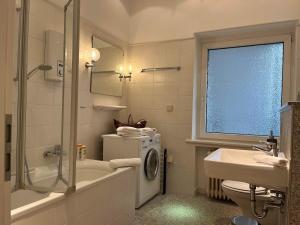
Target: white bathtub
<point x="103" y="197"/>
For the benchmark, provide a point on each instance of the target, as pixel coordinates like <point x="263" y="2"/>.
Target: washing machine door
<point x="151" y="164"/>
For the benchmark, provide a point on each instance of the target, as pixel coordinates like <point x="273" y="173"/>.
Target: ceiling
<point x="111" y="16"/>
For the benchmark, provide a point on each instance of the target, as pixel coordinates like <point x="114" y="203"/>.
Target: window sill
<point x="215" y="143"/>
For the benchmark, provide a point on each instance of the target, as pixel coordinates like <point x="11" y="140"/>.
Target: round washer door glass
<point x="151" y="165"/>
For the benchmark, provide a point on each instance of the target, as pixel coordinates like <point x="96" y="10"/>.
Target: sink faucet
<point x="271" y="145"/>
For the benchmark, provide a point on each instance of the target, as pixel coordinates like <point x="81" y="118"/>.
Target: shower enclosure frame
<point x="22" y="62"/>
<point x="74" y="92"/>
<point x="7" y="8"/>
<point x="22" y="97"/>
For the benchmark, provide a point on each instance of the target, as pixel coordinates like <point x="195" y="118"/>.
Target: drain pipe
<point x="264" y="211"/>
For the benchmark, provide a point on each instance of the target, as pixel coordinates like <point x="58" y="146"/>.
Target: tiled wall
<point x="149" y="94"/>
<point x="93" y="123"/>
<point x="290" y="144"/>
<point x="44" y="98"/>
<point x="44" y="102"/>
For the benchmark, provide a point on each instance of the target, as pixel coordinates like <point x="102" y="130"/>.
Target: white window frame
<point x="286" y="81"/>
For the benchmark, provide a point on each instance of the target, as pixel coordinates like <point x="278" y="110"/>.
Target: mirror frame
<point x="91" y="71"/>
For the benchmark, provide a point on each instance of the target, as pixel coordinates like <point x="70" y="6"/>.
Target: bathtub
<point x="103" y="197"/>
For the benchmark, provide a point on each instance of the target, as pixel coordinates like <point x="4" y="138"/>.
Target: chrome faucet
<point x="55" y="152"/>
<point x="271" y="146"/>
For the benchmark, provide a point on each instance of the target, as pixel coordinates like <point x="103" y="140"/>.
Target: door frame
<point x="7" y="10"/>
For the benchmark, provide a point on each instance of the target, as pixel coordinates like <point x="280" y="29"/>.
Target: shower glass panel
<point x="68" y="129"/>
<point x="50" y="80"/>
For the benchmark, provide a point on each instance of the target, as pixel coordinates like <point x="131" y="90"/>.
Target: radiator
<point x="214" y="189"/>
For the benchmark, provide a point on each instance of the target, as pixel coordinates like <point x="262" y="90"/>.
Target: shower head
<point x="44" y="67"/>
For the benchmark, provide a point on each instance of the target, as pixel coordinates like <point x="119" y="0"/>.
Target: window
<point x="243" y="87"/>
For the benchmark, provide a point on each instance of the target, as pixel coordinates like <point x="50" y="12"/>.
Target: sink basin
<point x="240" y="165"/>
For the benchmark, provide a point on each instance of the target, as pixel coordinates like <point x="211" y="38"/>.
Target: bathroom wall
<point x="182" y="18"/>
<point x="111" y="16"/>
<point x="149" y="94"/>
<point x="45" y="97"/>
<point x="94" y="123"/>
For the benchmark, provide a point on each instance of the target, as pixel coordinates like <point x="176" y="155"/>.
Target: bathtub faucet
<point x="55" y="152"/>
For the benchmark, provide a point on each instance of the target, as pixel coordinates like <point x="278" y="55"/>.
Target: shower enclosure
<point x="45" y="95"/>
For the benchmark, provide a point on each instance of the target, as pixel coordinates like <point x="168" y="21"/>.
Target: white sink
<point x="240" y="165"/>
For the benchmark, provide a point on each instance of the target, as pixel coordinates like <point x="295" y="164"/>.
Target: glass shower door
<point x="47" y="100"/>
<point x="70" y="92"/>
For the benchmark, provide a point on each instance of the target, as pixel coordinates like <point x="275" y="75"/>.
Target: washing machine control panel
<point x="149" y="142"/>
<point x="156" y="139"/>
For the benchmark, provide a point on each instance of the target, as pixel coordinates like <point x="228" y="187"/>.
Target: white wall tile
<point x="92" y="123"/>
<point x="166" y="76"/>
<point x="44" y="98"/>
<point x="169" y="88"/>
<point x="167" y="54"/>
<point x="186" y="88"/>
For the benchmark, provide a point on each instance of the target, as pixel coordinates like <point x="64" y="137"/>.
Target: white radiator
<point x="214" y="189"/>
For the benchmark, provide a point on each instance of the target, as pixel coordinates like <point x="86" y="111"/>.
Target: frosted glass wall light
<point x="94" y="55"/>
<point x="124" y="73"/>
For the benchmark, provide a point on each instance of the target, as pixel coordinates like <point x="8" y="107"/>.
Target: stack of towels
<point x="147" y="131"/>
<point x="136" y="132"/>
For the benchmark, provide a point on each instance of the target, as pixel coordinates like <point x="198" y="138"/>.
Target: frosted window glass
<point x="244" y="88"/>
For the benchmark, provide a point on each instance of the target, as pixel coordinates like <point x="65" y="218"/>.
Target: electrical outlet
<point x="170" y="108"/>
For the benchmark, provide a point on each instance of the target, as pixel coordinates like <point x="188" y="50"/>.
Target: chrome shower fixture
<point x="42" y="67"/>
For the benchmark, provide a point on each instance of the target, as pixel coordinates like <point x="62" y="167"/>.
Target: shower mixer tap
<point x="55" y="152"/>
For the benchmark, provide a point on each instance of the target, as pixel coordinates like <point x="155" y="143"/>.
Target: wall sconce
<point x="94" y="55"/>
<point x="122" y="73"/>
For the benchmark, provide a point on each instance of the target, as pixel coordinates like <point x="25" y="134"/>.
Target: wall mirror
<point x="104" y="79"/>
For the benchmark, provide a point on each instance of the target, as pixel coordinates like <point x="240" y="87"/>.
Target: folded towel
<point x="127" y="129"/>
<point x="129" y="132"/>
<point x="136" y="132"/>
<point x="271" y="160"/>
<point x="147" y="131"/>
<point x="117" y="163"/>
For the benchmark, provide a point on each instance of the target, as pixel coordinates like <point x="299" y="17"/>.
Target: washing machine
<point x="144" y="147"/>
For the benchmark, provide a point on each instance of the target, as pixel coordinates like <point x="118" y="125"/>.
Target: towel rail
<point x="160" y="69"/>
<point x="108" y="71"/>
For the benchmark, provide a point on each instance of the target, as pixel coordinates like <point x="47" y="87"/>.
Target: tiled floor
<point x="185" y="210"/>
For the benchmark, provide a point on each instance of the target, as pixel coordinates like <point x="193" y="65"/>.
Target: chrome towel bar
<point x="160" y="69"/>
<point x="108" y="71"/>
